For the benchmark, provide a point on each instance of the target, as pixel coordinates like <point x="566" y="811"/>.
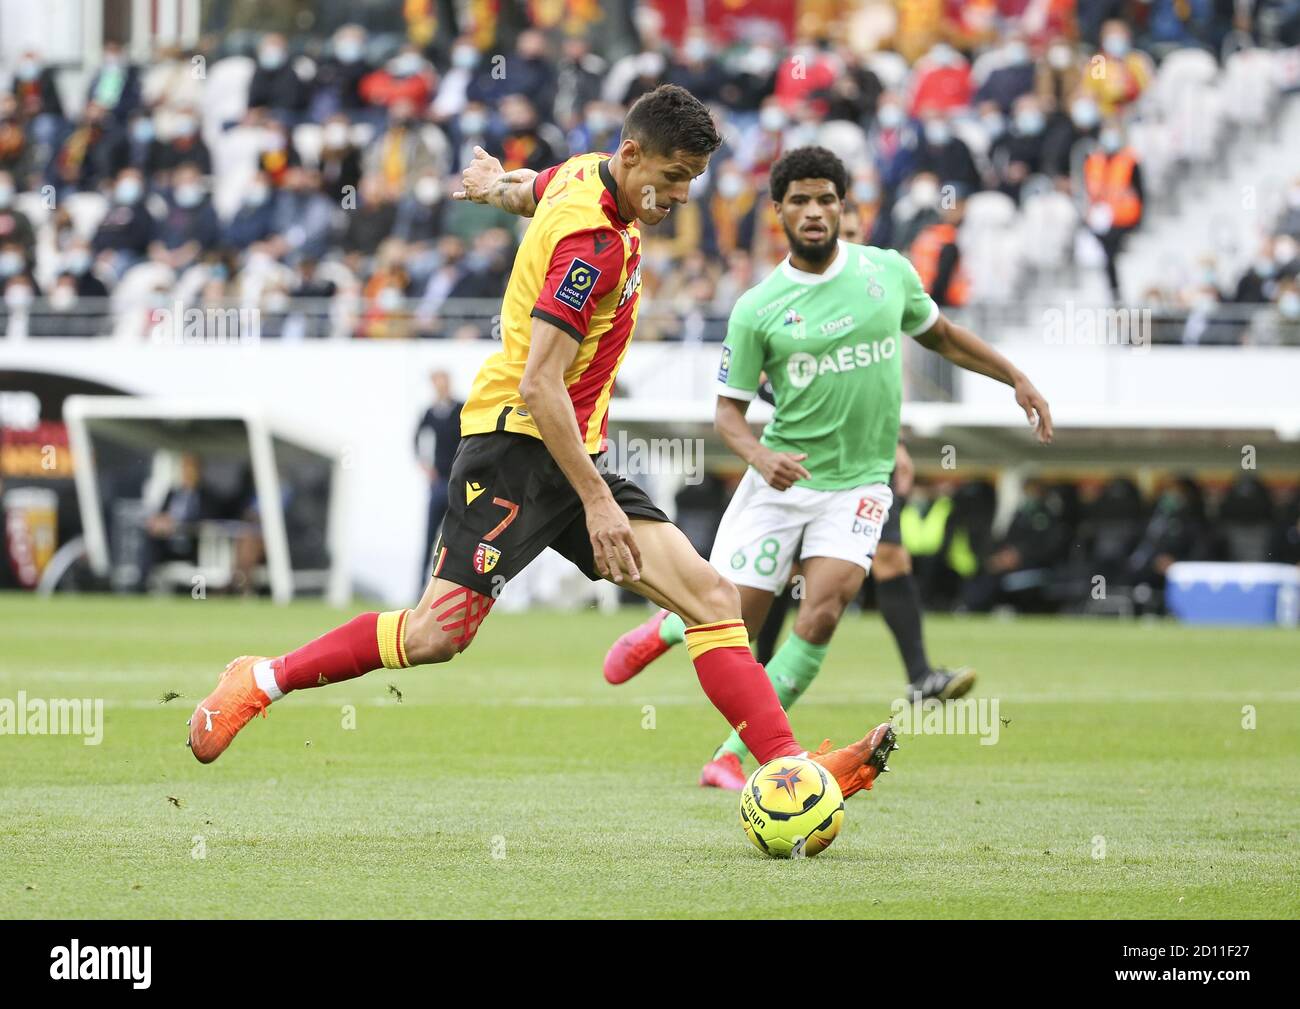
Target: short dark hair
<point x="670" y="119"/>
<point x="807" y="163"/>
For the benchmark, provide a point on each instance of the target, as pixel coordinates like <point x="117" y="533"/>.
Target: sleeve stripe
<point x="930" y="320"/>
<point x="729" y="392"/>
<point x="558" y="323"/>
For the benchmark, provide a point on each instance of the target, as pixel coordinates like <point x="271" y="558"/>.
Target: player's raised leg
<point x="677" y="578"/>
<point x="646" y="642"/>
<point x="441" y="626"/>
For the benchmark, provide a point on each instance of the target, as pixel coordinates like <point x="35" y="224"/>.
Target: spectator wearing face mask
<point x="1018" y="153"/>
<point x="34" y="89"/>
<point x="17" y="295"/>
<point x="471" y="130"/>
<point x="407" y="79"/>
<point x="340" y="160"/>
<point x="531" y="72"/>
<point x="303" y="218"/>
<point x="14" y="225"/>
<point x="600" y="129"/>
<point x="14" y="263"/>
<point x="419" y="212"/>
<point x="67" y="315"/>
<point x="93" y="153"/>
<point x="1112" y="181"/>
<point x="941" y="82"/>
<point x="732" y="211"/>
<point x="1012" y="76"/>
<point x="893" y="142"/>
<point x="403" y="152"/>
<point x="1259" y="284"/>
<point x="275" y="84"/>
<point x="337" y="85"/>
<point x="1118" y="74"/>
<point x="453" y="89"/>
<point x="946" y="155"/>
<point x="127" y="228"/>
<point x="937" y="258"/>
<point x="77" y="262"/>
<point x="115" y="87"/>
<point x="372" y="221"/>
<point x="144" y="149"/>
<point x="1290" y="222"/>
<point x="750" y="78"/>
<point x="185" y="145"/>
<point x="915" y="210"/>
<point x="189" y="225"/>
<point x="1068" y="133"/>
<point x="527" y="143"/>
<point x="277" y="157"/>
<point x="578" y="75"/>
<point x="254" y="220"/>
<point x="694" y="68"/>
<point x="1058" y="75"/>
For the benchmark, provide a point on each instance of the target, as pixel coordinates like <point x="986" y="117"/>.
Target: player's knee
<point x="817" y="620"/>
<point x="719" y="599"/>
<point x="892" y="561"/>
<point x="426" y="642"/>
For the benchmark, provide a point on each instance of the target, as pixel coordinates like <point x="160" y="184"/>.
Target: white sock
<point x="264" y="677"/>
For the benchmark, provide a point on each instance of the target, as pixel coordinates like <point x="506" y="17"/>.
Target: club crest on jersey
<point x="578" y="283"/>
<point x="485" y="558"/>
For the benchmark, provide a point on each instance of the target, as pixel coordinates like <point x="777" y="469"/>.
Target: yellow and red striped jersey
<point x="578" y="268"/>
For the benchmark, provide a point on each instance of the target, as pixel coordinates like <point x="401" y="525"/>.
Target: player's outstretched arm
<point x="966" y="350"/>
<point x="484" y="181"/>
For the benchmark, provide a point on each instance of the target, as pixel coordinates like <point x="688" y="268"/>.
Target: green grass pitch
<point x="516" y="783"/>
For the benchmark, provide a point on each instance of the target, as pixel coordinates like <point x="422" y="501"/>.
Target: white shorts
<point x="763" y="528"/>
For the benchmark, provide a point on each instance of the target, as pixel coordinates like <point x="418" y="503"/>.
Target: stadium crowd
<point x="311" y="179"/>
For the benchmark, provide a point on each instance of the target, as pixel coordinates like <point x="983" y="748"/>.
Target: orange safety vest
<point x="1109" y="180"/>
<point x="924" y="254"/>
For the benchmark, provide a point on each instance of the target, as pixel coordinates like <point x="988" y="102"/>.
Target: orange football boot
<point x="857" y="765"/>
<point x="226" y="710"/>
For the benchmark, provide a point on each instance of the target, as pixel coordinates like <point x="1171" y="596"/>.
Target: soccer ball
<point x="791" y="807"/>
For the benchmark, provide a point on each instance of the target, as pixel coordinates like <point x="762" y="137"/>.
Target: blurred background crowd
<point x="302" y="166"/>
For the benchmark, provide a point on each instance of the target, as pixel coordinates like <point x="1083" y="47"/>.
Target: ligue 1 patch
<point x="724" y="369"/>
<point x="485" y="558"/>
<point x="578" y="283"/>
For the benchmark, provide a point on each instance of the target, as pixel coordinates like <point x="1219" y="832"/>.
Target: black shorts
<point x="509" y="501"/>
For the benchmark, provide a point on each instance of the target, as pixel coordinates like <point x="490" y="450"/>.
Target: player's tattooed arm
<point x="966" y="350"/>
<point x="484" y="181"/>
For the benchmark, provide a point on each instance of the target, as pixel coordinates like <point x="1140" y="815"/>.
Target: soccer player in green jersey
<point x="827" y="328"/>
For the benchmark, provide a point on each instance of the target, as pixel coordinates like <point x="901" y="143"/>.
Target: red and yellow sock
<point x="740" y="689"/>
<point x="364" y="643"/>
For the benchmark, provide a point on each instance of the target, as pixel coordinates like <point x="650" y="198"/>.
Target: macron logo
<point x="75" y="962"/>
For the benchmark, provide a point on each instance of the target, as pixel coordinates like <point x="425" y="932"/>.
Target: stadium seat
<point x="225" y="100"/>
<point x="890" y="67"/>
<point x="86" y="211"/>
<point x="1049" y="220"/>
<point x="307" y="140"/>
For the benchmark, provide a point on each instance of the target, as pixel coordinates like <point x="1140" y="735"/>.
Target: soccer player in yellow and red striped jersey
<point x="527" y="476"/>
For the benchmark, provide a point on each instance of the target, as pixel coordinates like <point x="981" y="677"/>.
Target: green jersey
<point x="831" y="345"/>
